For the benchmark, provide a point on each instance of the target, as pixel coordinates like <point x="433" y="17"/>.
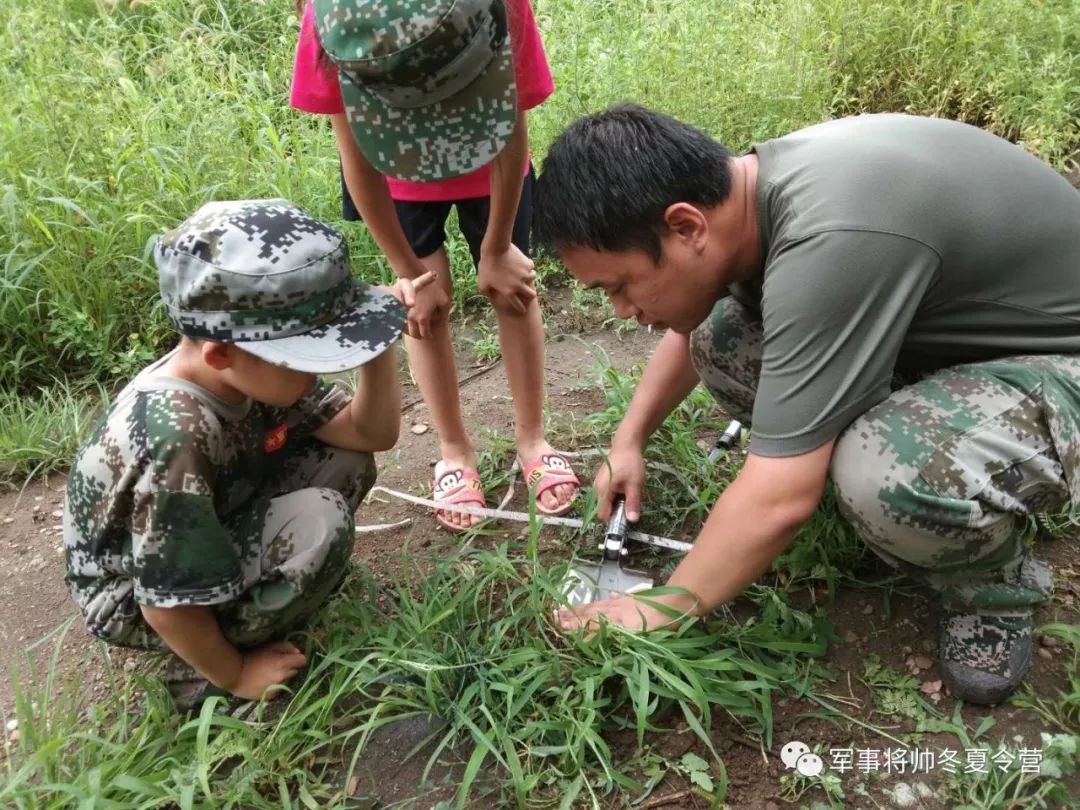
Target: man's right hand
<point x="431" y="307"/>
<point x="623" y="473"/>
<point x="266" y="667"/>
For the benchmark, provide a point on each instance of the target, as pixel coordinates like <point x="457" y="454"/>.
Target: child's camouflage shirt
<point x="159" y="502"/>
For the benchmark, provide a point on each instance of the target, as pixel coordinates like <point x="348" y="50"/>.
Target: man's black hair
<point x="610" y="176"/>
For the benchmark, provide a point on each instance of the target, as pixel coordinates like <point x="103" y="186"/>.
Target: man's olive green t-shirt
<point x="894" y="243"/>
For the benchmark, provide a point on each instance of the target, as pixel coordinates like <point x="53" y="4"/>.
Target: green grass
<point x="682" y="485"/>
<point x="41" y="431"/>
<point x="485" y="344"/>
<point x="531" y="717"/>
<point x="527" y="709"/>
<point x="999" y="789"/>
<point x="747" y="70"/>
<point x="1062" y="712"/>
<point x="151" y="108"/>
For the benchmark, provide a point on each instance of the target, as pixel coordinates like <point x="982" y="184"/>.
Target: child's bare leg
<point x="521" y="339"/>
<point x="432" y="364"/>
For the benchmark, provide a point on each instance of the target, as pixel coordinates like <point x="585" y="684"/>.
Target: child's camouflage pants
<point x="941" y="479"/>
<point x="306" y="515"/>
<point x="307" y="538"/>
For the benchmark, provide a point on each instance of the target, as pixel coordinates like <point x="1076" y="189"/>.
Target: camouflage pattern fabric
<point x="726" y="352"/>
<point x="179" y="498"/>
<point x="308" y="535"/>
<point x="999" y="645"/>
<point x="428" y="85"/>
<point x="264" y="275"/>
<point x="941" y="479"/>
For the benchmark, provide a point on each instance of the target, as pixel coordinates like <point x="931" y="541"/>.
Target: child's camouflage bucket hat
<point x="265" y="276"/>
<point x="428" y="85"/>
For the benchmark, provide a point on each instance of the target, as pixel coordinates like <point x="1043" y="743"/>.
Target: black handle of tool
<point x="615" y="536"/>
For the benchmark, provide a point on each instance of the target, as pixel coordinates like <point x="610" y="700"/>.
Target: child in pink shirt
<point x="428" y="109"/>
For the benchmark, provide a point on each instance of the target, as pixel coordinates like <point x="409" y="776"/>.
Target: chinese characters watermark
<point x="798" y="756"/>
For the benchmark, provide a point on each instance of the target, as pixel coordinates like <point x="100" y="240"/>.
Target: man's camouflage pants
<point x="306" y="517"/>
<point x="943" y="478"/>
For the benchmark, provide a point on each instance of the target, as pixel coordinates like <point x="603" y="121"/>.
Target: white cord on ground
<point x="501" y="513"/>
<point x="523" y="517"/>
<point x="382" y="527"/>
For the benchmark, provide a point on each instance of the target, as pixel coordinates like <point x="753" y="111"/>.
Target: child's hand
<point x="507" y="278"/>
<point x="406" y="288"/>
<point x="422" y="311"/>
<point x="267" y="667"/>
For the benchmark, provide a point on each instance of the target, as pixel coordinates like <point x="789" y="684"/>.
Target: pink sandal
<point x="455" y="487"/>
<point x="546" y="471"/>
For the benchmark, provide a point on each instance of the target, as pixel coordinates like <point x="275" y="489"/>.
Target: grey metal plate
<point x="590" y="583"/>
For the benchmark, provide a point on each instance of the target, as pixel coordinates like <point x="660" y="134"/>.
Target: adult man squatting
<point x="891" y="303"/>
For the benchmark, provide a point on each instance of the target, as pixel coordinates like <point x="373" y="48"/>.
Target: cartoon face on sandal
<point x="451" y="480"/>
<point x="549" y="463"/>
<point x="447" y="481"/>
<point x="556" y="463"/>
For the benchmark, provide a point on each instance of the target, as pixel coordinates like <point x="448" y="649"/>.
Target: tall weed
<point x="121" y="117"/>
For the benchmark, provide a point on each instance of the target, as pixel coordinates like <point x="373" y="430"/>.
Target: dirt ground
<point x="34" y="602"/>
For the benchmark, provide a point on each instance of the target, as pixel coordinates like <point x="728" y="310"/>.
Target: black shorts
<point x="424" y="223"/>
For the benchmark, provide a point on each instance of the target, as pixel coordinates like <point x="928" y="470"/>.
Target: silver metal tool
<point x="589" y="582"/>
<point x="726" y="440"/>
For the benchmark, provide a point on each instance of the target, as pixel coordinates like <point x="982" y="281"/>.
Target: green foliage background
<point x="120" y="118"/>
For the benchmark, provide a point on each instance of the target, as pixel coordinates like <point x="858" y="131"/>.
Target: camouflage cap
<point x="265" y="276"/>
<point x="428" y="85"/>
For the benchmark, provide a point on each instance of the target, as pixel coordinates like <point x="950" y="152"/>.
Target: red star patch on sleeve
<point x="275" y="438"/>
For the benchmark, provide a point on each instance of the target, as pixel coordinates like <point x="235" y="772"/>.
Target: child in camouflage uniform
<point x="211" y="510"/>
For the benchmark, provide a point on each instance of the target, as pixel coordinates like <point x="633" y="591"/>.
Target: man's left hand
<point x="507" y="278"/>
<point x="627" y="611"/>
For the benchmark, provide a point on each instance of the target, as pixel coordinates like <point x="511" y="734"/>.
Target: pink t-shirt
<point x="315" y="89"/>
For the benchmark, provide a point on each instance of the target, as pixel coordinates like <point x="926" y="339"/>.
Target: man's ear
<point x="216" y="355"/>
<point x="687" y="222"/>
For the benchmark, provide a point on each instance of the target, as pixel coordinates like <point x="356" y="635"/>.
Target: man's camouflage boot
<point x="985" y="648"/>
<point x="984" y="658"/>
